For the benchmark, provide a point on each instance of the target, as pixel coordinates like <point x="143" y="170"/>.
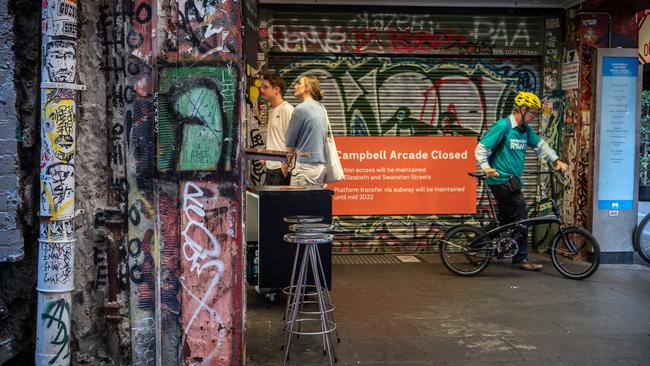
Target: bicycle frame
<point x="554" y="205"/>
<point x="556" y="218"/>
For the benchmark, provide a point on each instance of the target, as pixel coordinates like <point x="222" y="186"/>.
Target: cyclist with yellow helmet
<point x="501" y="156"/>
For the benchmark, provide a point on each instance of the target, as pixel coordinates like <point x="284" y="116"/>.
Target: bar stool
<point x="311" y="228"/>
<point x="315" y="228"/>
<point x="290" y="290"/>
<point x="309" y="262"/>
<point x="304" y="228"/>
<point x="303" y="219"/>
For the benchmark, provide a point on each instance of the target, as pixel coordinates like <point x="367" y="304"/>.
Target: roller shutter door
<point x="397" y="94"/>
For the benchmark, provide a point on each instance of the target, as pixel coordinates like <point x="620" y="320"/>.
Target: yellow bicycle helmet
<point x="527" y="99"/>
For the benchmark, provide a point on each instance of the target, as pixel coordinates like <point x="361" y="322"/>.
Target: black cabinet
<point x="269" y="258"/>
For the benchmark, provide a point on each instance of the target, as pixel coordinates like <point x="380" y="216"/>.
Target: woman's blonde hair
<point x="314" y="87"/>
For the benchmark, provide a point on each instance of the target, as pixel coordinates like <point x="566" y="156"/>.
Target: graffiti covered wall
<point x="256" y="124"/>
<point x="198" y="156"/>
<point x="172" y="76"/>
<point x="551" y="126"/>
<point x="586" y="32"/>
<point x="202" y="30"/>
<point x="197" y="143"/>
<point x="137" y="93"/>
<point x="111" y="253"/>
<point x="207" y="263"/>
<point x="173" y="130"/>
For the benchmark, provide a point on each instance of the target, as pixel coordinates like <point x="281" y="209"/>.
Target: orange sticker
<point x="405" y="175"/>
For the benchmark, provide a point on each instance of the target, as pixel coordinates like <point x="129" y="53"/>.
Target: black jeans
<point x="512" y="207"/>
<point x="274" y="177"/>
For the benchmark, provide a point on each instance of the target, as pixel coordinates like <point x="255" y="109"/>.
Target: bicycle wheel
<point x="578" y="258"/>
<point x="456" y="254"/>
<point x="642" y="239"/>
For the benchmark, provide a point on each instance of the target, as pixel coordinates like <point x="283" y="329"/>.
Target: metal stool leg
<point x="327" y="293"/>
<point x="304" y="296"/>
<point x="321" y="304"/>
<point x="302" y="300"/>
<point x="313" y="250"/>
<point x="293" y="275"/>
<point x="299" y="302"/>
<point x="294" y="309"/>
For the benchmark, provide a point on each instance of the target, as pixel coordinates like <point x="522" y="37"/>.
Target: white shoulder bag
<point x="334" y="170"/>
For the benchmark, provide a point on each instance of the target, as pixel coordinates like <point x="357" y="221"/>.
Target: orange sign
<point x="405" y="175"/>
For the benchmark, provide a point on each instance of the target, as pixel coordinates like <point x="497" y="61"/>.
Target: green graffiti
<point x="199" y="108"/>
<point x="196" y="127"/>
<point x="56" y="312"/>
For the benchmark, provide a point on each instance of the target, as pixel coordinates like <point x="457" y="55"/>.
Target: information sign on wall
<point x="617" y="133"/>
<point x="406" y="175"/>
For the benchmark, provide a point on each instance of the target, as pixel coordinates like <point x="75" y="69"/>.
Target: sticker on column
<point x="58" y="127"/>
<point x="55" y="264"/>
<point x="62" y="230"/>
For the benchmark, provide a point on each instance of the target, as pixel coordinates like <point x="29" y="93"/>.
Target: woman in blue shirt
<point x="307" y="133"/>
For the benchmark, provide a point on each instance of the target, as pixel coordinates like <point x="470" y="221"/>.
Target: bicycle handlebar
<point x="482" y="177"/>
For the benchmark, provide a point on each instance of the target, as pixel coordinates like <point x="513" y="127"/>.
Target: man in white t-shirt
<point x="279" y="116"/>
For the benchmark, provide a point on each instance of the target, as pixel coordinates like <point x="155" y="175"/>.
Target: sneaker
<point x="527" y="266"/>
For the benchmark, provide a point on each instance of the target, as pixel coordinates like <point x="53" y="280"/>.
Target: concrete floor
<point x="420" y="314"/>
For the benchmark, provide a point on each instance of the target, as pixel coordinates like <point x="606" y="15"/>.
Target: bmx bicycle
<point x="466" y="250"/>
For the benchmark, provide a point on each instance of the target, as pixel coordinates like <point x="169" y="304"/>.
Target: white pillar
<point x="57" y="181"/>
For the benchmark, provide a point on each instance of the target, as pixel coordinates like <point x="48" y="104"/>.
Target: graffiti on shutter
<point x="411" y="96"/>
<point x="404" y="33"/>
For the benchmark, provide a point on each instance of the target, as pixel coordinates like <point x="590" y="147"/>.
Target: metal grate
<point x="365" y="259"/>
<point x="430" y="258"/>
<point x="382" y="259"/>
